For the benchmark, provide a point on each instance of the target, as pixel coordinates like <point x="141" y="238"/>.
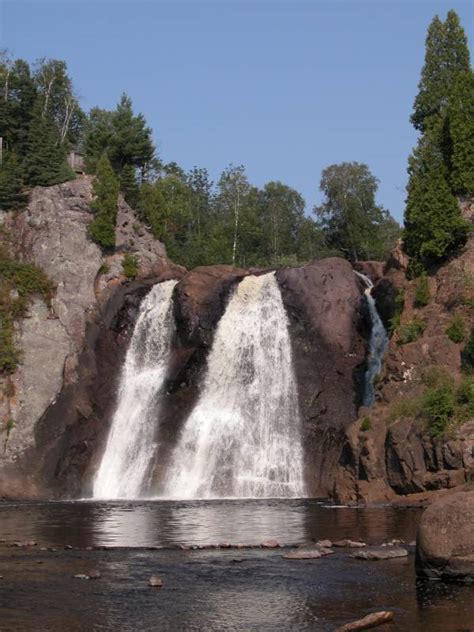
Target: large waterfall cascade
<point x="378" y="343"/>
<point x="131" y="447"/>
<point x="243" y="438"/>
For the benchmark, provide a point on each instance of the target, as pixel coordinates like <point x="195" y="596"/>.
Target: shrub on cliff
<point x="422" y="291"/>
<point x="18" y="283"/>
<point x="130" y="265"/>
<point x="411" y="331"/>
<point x="455" y="330"/>
<point x="106" y="188"/>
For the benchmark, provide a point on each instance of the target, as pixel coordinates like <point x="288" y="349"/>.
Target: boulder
<point x="445" y="539"/>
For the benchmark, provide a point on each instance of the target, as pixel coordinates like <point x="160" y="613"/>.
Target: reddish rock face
<point x="328" y="329"/>
<point x="445" y="540"/>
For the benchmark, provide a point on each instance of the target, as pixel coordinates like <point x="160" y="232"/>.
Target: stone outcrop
<point x="329" y="331"/>
<point x="52" y="233"/>
<point x="445" y="540"/>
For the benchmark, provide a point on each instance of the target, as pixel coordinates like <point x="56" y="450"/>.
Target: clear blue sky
<point x="283" y="87"/>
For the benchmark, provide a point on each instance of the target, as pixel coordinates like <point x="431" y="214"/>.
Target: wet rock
<point x="270" y="544"/>
<point x="81" y="576"/>
<point x="224" y="545"/>
<point x="350" y="544"/>
<point x="326" y="544"/>
<point x="93" y="574"/>
<point x="308" y="554"/>
<point x="370" y="621"/>
<point x="155" y="581"/>
<point x="380" y="553"/>
<point x="445" y="539"/>
<point x="68" y="547"/>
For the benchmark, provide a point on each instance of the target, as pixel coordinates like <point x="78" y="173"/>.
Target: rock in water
<point x="370" y="621"/>
<point x="380" y="553"/>
<point x="155" y="581"/>
<point x="445" y="540"/>
<point x="349" y="544"/>
<point x="308" y="554"/>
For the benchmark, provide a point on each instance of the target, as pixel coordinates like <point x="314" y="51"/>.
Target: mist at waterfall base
<point x="131" y="445"/>
<point x="378" y="342"/>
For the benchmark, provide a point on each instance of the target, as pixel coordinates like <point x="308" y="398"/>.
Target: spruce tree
<point x="461" y="131"/>
<point x="106" y="189"/>
<point x="434" y="227"/>
<point x="12" y="195"/>
<point x="45" y="161"/>
<point x="129" y="186"/>
<point x="446" y="55"/>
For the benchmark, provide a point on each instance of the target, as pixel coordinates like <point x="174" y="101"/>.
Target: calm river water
<point x="211" y="590"/>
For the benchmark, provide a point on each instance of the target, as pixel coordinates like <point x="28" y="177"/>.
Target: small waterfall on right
<point x="378" y="343"/>
<point x="243" y="438"/>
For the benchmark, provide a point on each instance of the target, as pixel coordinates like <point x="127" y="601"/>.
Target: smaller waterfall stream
<point x="243" y="438"/>
<point x="378" y="343"/>
<point x="131" y="443"/>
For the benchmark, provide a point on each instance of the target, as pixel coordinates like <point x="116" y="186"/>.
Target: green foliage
<point x="399" y="306"/>
<point x="438" y="405"/>
<point x="12" y="195"/>
<point x="442" y="162"/>
<point x="411" y="331"/>
<point x="446" y="56"/>
<point x="366" y="424"/>
<point x="18" y="283"/>
<point x="352" y="221"/>
<point x="129" y="186"/>
<point x="106" y="189"/>
<point x="456" y="330"/>
<point x="461" y="130"/>
<point x="434" y="227"/>
<point x="130" y="265"/>
<point x="45" y="161"/>
<point x="466" y="393"/>
<point x="422" y="291"/>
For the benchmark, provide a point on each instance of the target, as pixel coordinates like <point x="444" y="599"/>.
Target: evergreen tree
<point x="447" y="55"/>
<point x="106" y="189"/>
<point x="129" y="186"/>
<point x="12" y="195"/>
<point x="98" y="137"/>
<point x="461" y="131"/>
<point x="45" y="161"/>
<point x="434" y="226"/>
<point x="131" y="143"/>
<point x="17" y="98"/>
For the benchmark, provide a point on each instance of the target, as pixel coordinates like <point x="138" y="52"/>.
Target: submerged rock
<point x="155" y="581"/>
<point x="308" y="554"/>
<point x="445" y="539"/>
<point x="380" y="553"/>
<point x="350" y="544"/>
<point x="370" y="621"/>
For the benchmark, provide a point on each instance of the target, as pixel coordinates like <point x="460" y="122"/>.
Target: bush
<point x="438" y="407"/>
<point x="18" y="282"/>
<point x="455" y="330"/>
<point x="366" y="424"/>
<point x="465" y="394"/>
<point x="411" y="331"/>
<point x="106" y="190"/>
<point x="130" y="265"/>
<point x="422" y="292"/>
<point x="399" y="306"/>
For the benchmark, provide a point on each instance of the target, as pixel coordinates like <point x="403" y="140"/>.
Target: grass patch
<point x="366" y="424"/>
<point x="411" y="331"/>
<point x="399" y="306"/>
<point x="441" y="405"/>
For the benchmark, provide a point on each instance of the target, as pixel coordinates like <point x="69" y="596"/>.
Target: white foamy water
<point x="243" y="438"/>
<point x="130" y="448"/>
<point x="378" y="343"/>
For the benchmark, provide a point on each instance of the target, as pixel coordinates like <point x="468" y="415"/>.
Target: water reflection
<point x="165" y="523"/>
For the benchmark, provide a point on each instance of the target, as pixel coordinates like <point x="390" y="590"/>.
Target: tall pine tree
<point x="461" y="132"/>
<point x="106" y="189"/>
<point x="12" y="195"/>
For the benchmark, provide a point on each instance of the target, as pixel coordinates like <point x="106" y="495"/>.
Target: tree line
<point x="231" y="220"/>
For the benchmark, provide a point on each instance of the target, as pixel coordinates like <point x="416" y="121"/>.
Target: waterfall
<point x="378" y="343"/>
<point x="243" y="437"/>
<point x="131" y="445"/>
